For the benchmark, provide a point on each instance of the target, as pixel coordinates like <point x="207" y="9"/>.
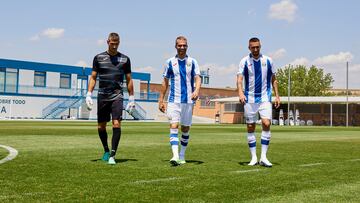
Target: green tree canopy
<point x="304" y="81"/>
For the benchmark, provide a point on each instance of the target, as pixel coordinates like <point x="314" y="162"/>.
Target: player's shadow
<point x="245" y="163"/>
<point x="117" y="160"/>
<point x="197" y="162"/>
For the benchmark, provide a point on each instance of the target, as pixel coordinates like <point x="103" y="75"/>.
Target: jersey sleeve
<point x="273" y="69"/>
<point x="196" y="67"/>
<point x="241" y="67"/>
<point x="167" y="70"/>
<point x="127" y="66"/>
<point x="95" y="66"/>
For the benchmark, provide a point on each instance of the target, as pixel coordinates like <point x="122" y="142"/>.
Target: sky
<point x="299" y="32"/>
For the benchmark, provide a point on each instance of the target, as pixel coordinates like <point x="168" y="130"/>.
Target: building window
<point x="65" y="80"/>
<point x="39" y="79"/>
<point x="2" y="79"/>
<point x="206" y="80"/>
<point x="234" y="107"/>
<point x="207" y="103"/>
<point x="11" y="80"/>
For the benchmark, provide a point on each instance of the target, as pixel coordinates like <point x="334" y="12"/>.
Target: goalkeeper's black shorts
<point x="105" y="108"/>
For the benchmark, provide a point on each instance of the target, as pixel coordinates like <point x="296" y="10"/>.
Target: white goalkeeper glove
<point x="130" y="107"/>
<point x="89" y="101"/>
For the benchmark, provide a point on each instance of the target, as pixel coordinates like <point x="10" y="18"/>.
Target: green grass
<point x="59" y="162"/>
<point x="3" y="153"/>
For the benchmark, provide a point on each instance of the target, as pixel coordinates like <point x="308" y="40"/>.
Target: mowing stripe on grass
<point x="156" y="180"/>
<point x="314" y="164"/>
<point x="247" y="171"/>
<point x="12" y="154"/>
<point x="354" y="160"/>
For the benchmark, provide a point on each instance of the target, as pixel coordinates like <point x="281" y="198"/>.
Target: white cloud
<point x="278" y="53"/>
<point x="341" y="57"/>
<point x="284" y="10"/>
<point x="354" y="67"/>
<point x="53" y="33"/>
<point x="335" y="64"/>
<point x="101" y="42"/>
<point x="300" y="61"/>
<point x="35" y="38"/>
<point x="81" y="63"/>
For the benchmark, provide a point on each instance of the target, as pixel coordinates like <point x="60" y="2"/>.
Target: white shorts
<point x="180" y="113"/>
<point x="264" y="109"/>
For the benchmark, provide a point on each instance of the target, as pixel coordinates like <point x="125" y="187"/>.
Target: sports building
<point x="32" y="90"/>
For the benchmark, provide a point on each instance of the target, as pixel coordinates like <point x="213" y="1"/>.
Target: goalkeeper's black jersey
<point x="111" y="71"/>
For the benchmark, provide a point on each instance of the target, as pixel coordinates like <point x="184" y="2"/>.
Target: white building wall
<point x="73" y="80"/>
<point x="16" y="106"/>
<point x="26" y="77"/>
<point x="52" y="79"/>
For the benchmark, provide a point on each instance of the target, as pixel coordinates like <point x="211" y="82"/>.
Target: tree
<point x="304" y="81"/>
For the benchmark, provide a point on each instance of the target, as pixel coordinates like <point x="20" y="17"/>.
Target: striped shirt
<point x="257" y="75"/>
<point x="181" y="73"/>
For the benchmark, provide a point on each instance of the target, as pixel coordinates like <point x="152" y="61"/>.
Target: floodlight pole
<point x="289" y="88"/>
<point x="347" y="94"/>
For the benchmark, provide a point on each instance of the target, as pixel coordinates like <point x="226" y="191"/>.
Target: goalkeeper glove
<point x="89" y="101"/>
<point x="130" y="107"/>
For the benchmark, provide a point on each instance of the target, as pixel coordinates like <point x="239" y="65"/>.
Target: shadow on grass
<point x="245" y="163"/>
<point x="197" y="162"/>
<point x="117" y="160"/>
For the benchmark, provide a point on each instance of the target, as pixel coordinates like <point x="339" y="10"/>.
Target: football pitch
<point x="60" y="162"/>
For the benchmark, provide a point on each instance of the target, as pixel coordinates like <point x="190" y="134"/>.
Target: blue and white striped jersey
<point x="181" y="74"/>
<point x="257" y="75"/>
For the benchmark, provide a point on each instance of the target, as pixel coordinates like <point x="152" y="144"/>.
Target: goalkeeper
<point x="110" y="67"/>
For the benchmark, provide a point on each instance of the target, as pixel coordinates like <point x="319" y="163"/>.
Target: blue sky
<point x="323" y="33"/>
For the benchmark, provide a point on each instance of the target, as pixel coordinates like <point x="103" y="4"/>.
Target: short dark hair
<point x="114" y="35"/>
<point x="254" y="39"/>
<point x="180" y="38"/>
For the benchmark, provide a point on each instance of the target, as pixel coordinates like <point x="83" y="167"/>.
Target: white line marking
<point x="314" y="164"/>
<point x="12" y="154"/>
<point x="247" y="171"/>
<point x="155" y="180"/>
<point x="354" y="160"/>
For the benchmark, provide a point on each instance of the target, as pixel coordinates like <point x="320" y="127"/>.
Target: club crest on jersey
<point x="122" y="59"/>
<point x="188" y="63"/>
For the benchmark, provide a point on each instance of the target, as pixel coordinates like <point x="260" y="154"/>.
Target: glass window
<point x="206" y="80"/>
<point x="39" y="79"/>
<point x="65" y="80"/>
<point x="207" y="103"/>
<point x="11" y="80"/>
<point x="2" y="79"/>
